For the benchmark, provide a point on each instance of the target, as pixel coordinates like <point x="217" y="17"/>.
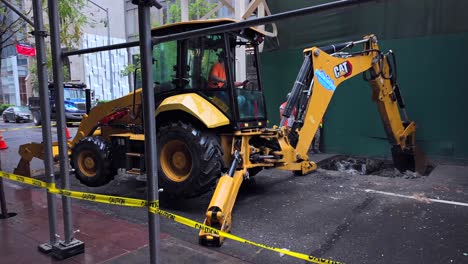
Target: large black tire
<point x="190" y="160"/>
<point x="37" y="119"/>
<point x="92" y="163"/>
<point x="5" y="119"/>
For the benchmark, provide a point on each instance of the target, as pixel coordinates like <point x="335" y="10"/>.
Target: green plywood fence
<point x="431" y="74"/>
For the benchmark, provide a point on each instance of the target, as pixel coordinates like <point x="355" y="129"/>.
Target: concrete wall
<point x="97" y="71"/>
<point x="430" y="72"/>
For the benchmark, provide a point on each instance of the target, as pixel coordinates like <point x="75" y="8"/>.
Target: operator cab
<point x="186" y="66"/>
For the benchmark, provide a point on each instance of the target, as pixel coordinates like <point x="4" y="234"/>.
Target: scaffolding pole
<point x="149" y="121"/>
<point x="39" y="36"/>
<point x="69" y="246"/>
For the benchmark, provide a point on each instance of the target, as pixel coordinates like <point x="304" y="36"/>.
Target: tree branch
<point x="11" y="26"/>
<point x="9" y="37"/>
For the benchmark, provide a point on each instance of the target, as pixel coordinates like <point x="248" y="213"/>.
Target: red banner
<point x="25" y="50"/>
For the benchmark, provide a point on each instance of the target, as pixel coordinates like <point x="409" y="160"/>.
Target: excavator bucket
<point x="420" y="160"/>
<point x="410" y="159"/>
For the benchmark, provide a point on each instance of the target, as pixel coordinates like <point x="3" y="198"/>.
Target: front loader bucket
<point x="23" y="168"/>
<point x="410" y="159"/>
<point x="27" y="152"/>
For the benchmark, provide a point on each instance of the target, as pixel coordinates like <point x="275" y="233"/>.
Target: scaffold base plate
<point x="45" y="248"/>
<point x="62" y="250"/>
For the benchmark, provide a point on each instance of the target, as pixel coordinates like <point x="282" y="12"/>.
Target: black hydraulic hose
<point x="396" y="88"/>
<point x="336" y="47"/>
<point x="399" y="98"/>
<point x="300" y="82"/>
<point x="234" y="163"/>
<point x="394" y="66"/>
<point x="391" y="61"/>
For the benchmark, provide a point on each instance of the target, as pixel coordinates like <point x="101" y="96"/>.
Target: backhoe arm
<point x="328" y="67"/>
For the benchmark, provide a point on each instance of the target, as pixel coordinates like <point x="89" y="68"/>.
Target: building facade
<point x="13" y="69"/>
<point x="101" y="71"/>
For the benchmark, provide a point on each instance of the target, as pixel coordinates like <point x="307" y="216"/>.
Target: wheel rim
<point x="176" y="160"/>
<point x="87" y="163"/>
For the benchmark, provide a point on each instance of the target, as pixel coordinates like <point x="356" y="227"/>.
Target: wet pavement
<point x="107" y="239"/>
<point x="328" y="214"/>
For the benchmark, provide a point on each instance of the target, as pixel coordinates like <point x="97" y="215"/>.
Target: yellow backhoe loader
<point x="283" y="147"/>
<point x="207" y="126"/>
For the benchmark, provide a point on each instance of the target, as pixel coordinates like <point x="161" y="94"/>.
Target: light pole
<point x="111" y="81"/>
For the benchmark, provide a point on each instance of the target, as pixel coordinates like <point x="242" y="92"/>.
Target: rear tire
<point x="190" y="160"/>
<point x="92" y="162"/>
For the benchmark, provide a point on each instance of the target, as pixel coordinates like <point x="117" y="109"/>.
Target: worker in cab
<point x="290" y="120"/>
<point x="217" y="78"/>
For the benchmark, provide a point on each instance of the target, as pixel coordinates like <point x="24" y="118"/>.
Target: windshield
<point x="21" y="109"/>
<point x="250" y="99"/>
<point x="71" y="93"/>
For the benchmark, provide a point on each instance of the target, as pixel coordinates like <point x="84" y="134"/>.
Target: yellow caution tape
<point x="154" y="208"/>
<point x="100" y="198"/>
<point x="29" y="127"/>
<point x="209" y="229"/>
<point x="23" y="179"/>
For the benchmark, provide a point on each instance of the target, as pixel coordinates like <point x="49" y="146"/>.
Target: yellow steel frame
<point x="191" y="103"/>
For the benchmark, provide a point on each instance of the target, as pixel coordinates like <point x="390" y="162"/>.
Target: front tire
<point x="190" y="160"/>
<point x="5" y="119"/>
<point x="92" y="163"/>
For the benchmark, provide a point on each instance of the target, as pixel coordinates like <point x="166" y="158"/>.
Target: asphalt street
<point x="326" y="214"/>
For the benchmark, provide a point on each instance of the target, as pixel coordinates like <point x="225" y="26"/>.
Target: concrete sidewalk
<point x="107" y="239"/>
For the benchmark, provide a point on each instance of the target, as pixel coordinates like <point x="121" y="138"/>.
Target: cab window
<point x="164" y="65"/>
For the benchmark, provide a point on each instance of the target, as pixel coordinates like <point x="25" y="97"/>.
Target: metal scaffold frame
<point x="71" y="246"/>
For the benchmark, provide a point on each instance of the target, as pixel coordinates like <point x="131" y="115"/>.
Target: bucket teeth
<point x="412" y="159"/>
<point x="420" y="161"/>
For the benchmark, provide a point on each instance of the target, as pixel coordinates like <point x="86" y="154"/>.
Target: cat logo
<point x="343" y="69"/>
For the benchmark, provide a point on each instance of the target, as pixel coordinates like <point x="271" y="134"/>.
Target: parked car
<point x="17" y="114"/>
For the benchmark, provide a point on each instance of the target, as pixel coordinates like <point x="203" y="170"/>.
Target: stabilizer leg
<point x="219" y="211"/>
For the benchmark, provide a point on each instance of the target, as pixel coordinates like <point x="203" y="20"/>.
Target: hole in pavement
<point x="368" y="166"/>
